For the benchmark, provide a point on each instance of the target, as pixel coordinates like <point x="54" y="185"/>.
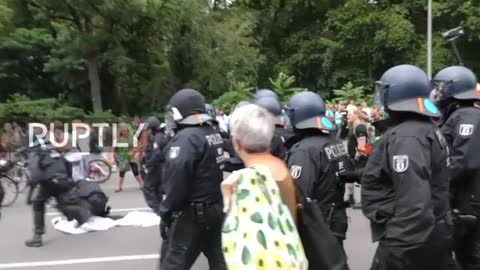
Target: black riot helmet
<point x="454" y="82"/>
<point x="405" y="88"/>
<point x="242" y="103"/>
<point x="265" y="93"/>
<point x="152" y="123"/>
<point x="306" y="110"/>
<point x="211" y="110"/>
<point x="272" y="105"/>
<point x="187" y="107"/>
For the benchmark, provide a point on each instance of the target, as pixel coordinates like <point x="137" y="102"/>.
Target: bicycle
<point x="9" y="185"/>
<point x="98" y="170"/>
<point x="83" y="166"/>
<point x="20" y="172"/>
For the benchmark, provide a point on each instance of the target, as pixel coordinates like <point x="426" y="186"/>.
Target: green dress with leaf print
<point x="259" y="231"/>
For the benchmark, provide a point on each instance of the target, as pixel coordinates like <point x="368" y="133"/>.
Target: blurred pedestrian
<point x="10" y="139"/>
<point x="125" y="155"/>
<point x="222" y="121"/>
<point x="351" y="105"/>
<point x="19" y="130"/>
<point x="358" y="137"/>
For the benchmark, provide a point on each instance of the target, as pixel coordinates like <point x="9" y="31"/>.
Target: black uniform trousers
<point x="433" y="254"/>
<point x="337" y="219"/>
<point x="152" y="188"/>
<point x="467" y="245"/>
<point x="67" y="203"/>
<point x="190" y="234"/>
<point x="2" y="194"/>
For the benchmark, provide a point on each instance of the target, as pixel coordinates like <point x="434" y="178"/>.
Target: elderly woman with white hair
<point x="260" y="226"/>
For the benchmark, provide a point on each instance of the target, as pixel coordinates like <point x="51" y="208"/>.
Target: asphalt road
<point x="123" y="248"/>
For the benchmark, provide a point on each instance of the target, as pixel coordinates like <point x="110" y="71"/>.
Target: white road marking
<point x="111" y="211"/>
<point x="79" y="261"/>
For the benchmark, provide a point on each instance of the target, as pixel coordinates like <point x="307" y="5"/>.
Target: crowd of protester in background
<point x="123" y="160"/>
<point x="352" y="121"/>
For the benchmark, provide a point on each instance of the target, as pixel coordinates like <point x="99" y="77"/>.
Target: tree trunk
<point x="94" y="78"/>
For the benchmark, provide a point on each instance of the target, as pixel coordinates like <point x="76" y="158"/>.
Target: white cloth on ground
<point x="135" y="218"/>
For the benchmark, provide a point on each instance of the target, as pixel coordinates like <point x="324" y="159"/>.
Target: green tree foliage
<point x="237" y="91"/>
<point x="350" y="92"/>
<point x="131" y="56"/>
<point x="21" y="108"/>
<point x="283" y="85"/>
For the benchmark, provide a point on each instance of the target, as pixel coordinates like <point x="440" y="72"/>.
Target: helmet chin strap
<point x="447" y="107"/>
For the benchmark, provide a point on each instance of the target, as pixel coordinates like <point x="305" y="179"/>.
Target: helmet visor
<point x="319" y="122"/>
<point x="439" y="90"/>
<point x="378" y="97"/>
<point x="170" y="124"/>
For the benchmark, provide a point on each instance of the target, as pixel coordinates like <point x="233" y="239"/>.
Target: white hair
<point x="253" y="127"/>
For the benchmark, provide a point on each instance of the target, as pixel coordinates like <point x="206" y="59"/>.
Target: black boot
<point x="36" y="241"/>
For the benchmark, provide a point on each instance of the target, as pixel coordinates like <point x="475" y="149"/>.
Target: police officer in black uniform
<point x="455" y="94"/>
<point x="2" y="195"/>
<point x="192" y="211"/>
<point x="2" y="190"/>
<point x="51" y="177"/>
<point x="211" y="111"/>
<point x="281" y="135"/>
<point x="153" y="163"/>
<point x="317" y="158"/>
<point x="233" y="163"/>
<point x="405" y="185"/>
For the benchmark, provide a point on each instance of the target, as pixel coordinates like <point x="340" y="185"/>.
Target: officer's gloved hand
<point x="165" y="223"/>
<point x="164" y="229"/>
<point x="233" y="164"/>
<point x="461" y="218"/>
<point x="351" y="176"/>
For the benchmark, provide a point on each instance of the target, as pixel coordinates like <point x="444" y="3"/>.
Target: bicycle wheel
<point x="98" y="170"/>
<point x="11" y="191"/>
<point x="22" y="177"/>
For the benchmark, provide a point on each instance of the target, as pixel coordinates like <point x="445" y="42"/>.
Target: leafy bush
<point x="237" y="91"/>
<point x="283" y="86"/>
<point x="106" y="116"/>
<point x="350" y="92"/>
<point x="23" y="109"/>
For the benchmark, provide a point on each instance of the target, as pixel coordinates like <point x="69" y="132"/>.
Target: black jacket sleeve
<point x="277" y="147"/>
<point x="377" y="189"/>
<point x="414" y="217"/>
<point x="397" y="189"/>
<point x="472" y="157"/>
<point x="459" y="131"/>
<point x="181" y="154"/>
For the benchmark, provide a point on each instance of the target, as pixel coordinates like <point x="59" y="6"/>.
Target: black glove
<point x="164" y="229"/>
<point x="233" y="164"/>
<point x="465" y="219"/>
<point x="351" y="176"/>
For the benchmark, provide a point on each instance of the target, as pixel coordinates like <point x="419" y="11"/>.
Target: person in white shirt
<point x="351" y="105"/>
<point x="222" y="121"/>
